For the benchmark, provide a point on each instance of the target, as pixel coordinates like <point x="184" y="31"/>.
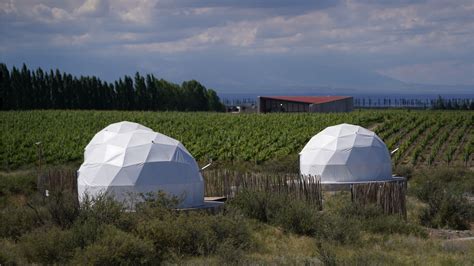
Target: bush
<point x="15" y="221"/>
<point x="194" y="233"/>
<point x="116" y="248"/>
<point x="24" y="183"/>
<point x="333" y="227"/>
<point x="86" y="232"/>
<point x="259" y="205"/>
<point x="63" y="208"/>
<point x="296" y="216"/>
<point x="47" y="245"/>
<point x="291" y="214"/>
<point x="103" y="209"/>
<point x="9" y="254"/>
<point x="457" y="179"/>
<point x="449" y="210"/>
<point x="446" y="205"/>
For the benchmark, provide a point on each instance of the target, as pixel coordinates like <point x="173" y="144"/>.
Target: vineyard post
<point x="39" y="149"/>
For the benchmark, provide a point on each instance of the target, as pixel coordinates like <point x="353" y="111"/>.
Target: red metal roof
<point x="308" y="99"/>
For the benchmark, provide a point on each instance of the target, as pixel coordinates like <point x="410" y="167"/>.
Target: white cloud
<point x="66" y="40"/>
<point x="140" y="12"/>
<point x="240" y="35"/>
<point x="8" y="7"/>
<point x="93" y="8"/>
<point x="51" y="15"/>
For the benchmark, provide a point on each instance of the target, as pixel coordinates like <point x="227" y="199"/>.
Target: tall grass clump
<point x="445" y="194"/>
<point x="296" y="216"/>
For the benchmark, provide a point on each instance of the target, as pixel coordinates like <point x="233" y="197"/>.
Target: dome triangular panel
<point x="358" y="156"/>
<point x="127" y="158"/>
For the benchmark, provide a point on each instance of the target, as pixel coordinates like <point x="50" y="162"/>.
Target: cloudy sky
<point x="246" y="46"/>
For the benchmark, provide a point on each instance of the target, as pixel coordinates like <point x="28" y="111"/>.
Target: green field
<point x="425" y="138"/>
<point x="435" y="153"/>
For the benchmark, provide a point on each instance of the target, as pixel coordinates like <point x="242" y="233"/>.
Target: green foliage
<point x="63" y="207"/>
<point x="102" y="231"/>
<point x="253" y="138"/>
<point x="448" y="210"/>
<point x="296" y="216"/>
<point x="194" y="233"/>
<point x="22" y="183"/>
<point x="444" y="191"/>
<point x="18" y="220"/>
<point x="326" y="254"/>
<point x="103" y="209"/>
<point x="116" y="247"/>
<point x="25" y="90"/>
<point x="9" y="253"/>
<point x="47" y="245"/>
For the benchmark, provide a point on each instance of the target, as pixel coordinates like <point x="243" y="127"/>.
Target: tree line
<point x="25" y="89"/>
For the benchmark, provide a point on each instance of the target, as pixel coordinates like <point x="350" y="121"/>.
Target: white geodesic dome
<point x="127" y="158"/>
<point x="346" y="154"/>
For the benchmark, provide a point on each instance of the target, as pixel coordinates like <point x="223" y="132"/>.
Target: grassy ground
<point x="343" y="234"/>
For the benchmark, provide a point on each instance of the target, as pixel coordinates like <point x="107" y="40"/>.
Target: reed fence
<point x="390" y="195"/>
<point x="226" y="183"/>
<point x="57" y="180"/>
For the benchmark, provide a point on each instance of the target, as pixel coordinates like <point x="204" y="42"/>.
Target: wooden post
<point x="39" y="179"/>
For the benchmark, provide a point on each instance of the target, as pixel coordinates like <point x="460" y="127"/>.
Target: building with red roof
<point x="324" y="104"/>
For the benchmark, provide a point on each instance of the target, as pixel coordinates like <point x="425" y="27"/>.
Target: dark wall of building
<point x="344" y="105"/>
<point x="268" y="105"/>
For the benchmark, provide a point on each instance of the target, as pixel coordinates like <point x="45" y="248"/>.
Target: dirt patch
<point x="450" y="234"/>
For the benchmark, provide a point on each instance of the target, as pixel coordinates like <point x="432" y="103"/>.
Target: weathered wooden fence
<point x="390" y="195"/>
<point x="228" y="183"/>
<point x="57" y="179"/>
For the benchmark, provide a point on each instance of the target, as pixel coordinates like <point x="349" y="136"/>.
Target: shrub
<point x="337" y="228"/>
<point x="63" y="208"/>
<point x="194" y="233"/>
<point x="154" y="205"/>
<point x="86" y="232"/>
<point x="103" y="209"/>
<point x="9" y="253"/>
<point x="15" y="221"/>
<point x="449" y="210"/>
<point x="446" y="205"/>
<point x="47" y="245"/>
<point x="291" y="214"/>
<point x="24" y="183"/>
<point x="296" y="216"/>
<point x="259" y="205"/>
<point x="232" y="228"/>
<point x="116" y="248"/>
<point x="457" y="179"/>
